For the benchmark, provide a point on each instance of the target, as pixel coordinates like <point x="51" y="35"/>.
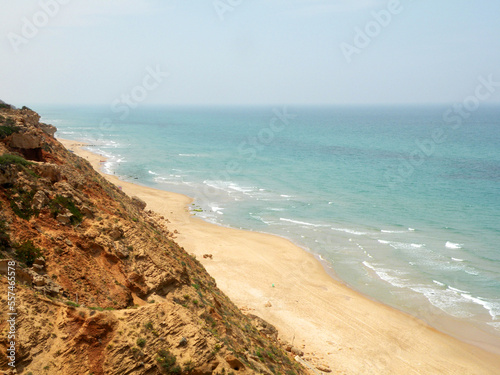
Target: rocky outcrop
<point x="8" y="174"/>
<point x="48" y="129"/>
<point x="50" y="171"/>
<point x="40" y="200"/>
<point x="27" y="140"/>
<point x="138" y="202"/>
<point x="264" y="327"/>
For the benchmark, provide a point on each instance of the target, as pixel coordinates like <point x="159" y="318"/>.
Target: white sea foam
<point x="392" y="231"/>
<point x="444" y="299"/>
<point x="217" y="209"/>
<point x="383" y="274"/>
<point x="350" y="231"/>
<point x="457" y="259"/>
<point x="438" y="283"/>
<point x="402" y="245"/>
<point x="153" y="173"/>
<point x="301" y="222"/>
<point x="452" y="245"/>
<point x="411" y="229"/>
<point x="471" y="272"/>
<point x="230" y="187"/>
<point x="236" y="187"/>
<point x="492" y="307"/>
<point x="457" y="290"/>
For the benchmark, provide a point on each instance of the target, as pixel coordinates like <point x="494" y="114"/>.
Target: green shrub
<point x="101" y="308"/>
<point x="8" y="129"/>
<point x="60" y="202"/>
<point x="167" y="362"/>
<point x="8" y="159"/>
<point x="4" y="235"/>
<point x="141" y="342"/>
<point x="27" y="253"/>
<point x="188" y="366"/>
<point x="175" y="370"/>
<point x="5" y="106"/>
<point x="22" y="203"/>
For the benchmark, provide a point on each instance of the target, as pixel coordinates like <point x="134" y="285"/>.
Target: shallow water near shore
<point x="409" y="221"/>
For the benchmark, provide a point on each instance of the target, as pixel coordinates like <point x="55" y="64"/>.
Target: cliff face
<point x="101" y="286"/>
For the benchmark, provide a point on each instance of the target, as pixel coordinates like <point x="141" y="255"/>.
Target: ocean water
<point x="400" y="203"/>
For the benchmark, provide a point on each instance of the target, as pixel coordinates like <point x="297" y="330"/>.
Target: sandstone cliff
<point x="101" y="287"/>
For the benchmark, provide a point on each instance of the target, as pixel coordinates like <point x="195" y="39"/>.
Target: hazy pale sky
<point x="247" y="51"/>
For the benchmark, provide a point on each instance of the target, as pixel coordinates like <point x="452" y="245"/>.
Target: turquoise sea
<point x="400" y="203"/>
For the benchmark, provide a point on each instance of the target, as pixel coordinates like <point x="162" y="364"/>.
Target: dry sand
<point x="331" y="323"/>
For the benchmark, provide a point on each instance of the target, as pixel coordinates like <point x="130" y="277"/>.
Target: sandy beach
<point x="279" y="281"/>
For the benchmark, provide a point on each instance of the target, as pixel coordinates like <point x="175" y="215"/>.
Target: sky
<point x="247" y="52"/>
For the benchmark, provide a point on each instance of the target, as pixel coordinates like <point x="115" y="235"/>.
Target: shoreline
<point x="291" y="289"/>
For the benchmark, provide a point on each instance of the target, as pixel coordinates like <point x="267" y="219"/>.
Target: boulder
<point x="40" y="261"/>
<point x="53" y="290"/>
<point x="122" y="251"/>
<point x="87" y="211"/>
<point x="50" y="171"/>
<point x="64" y="218"/>
<point x="8" y="175"/>
<point x="40" y="199"/>
<point x="28" y="140"/>
<point x="39" y="281"/>
<point x="38" y="268"/>
<point x="116" y="233"/>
